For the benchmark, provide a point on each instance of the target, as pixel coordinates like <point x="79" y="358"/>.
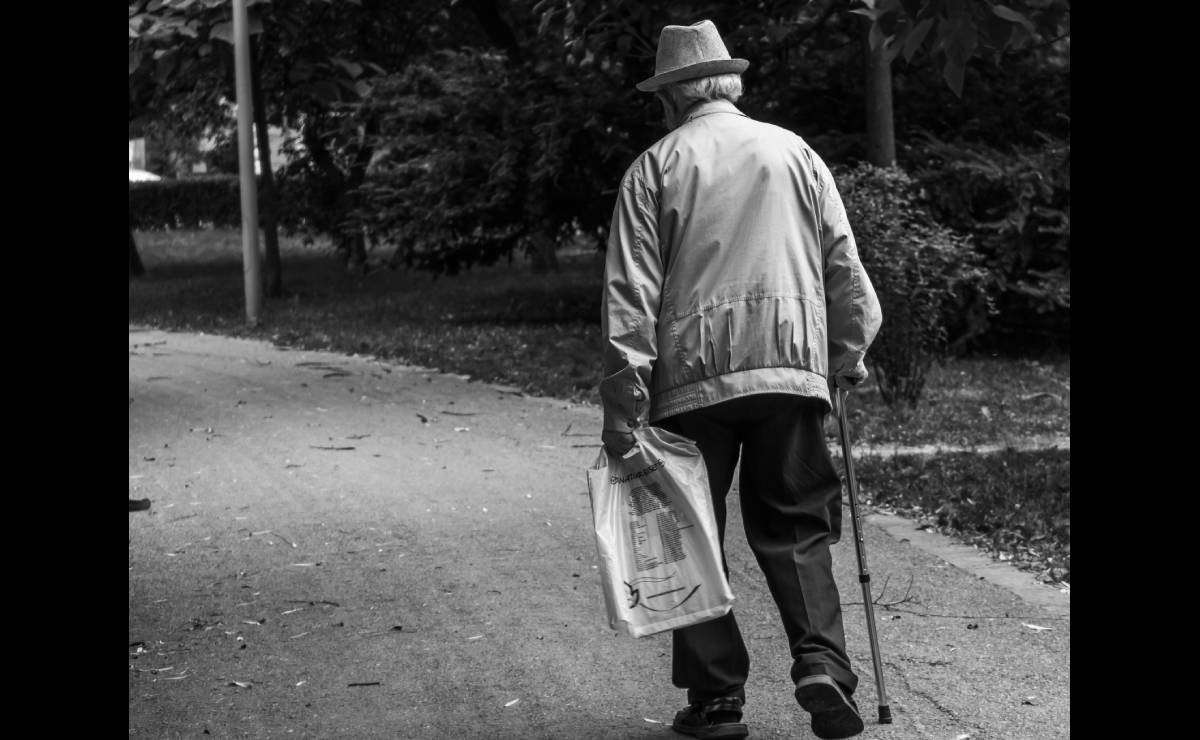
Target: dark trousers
<point x="791" y="509"/>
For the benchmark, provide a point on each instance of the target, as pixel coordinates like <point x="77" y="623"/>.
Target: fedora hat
<point x="688" y="52"/>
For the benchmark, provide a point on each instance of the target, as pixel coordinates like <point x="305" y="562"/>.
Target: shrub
<point x="1017" y="207"/>
<point x="209" y="201"/>
<point x="922" y="271"/>
<point x="189" y="203"/>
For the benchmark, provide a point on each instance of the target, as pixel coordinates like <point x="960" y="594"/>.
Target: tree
<point x="620" y="34"/>
<point x="485" y="151"/>
<point x="952" y="32"/>
<point x="173" y="33"/>
<point x="181" y="63"/>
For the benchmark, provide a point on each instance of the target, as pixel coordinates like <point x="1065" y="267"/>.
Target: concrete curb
<point x="977" y="563"/>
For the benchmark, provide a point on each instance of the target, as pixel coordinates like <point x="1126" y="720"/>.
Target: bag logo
<point x="635" y="594"/>
<point x="614" y="480"/>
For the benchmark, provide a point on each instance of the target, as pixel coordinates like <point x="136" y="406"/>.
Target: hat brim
<point x="692" y="71"/>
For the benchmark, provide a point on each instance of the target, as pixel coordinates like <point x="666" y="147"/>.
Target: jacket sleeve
<point x="633" y="275"/>
<point x="851" y="306"/>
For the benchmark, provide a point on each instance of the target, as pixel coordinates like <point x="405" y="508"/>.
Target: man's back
<point x="743" y="222"/>
<point x="738" y="209"/>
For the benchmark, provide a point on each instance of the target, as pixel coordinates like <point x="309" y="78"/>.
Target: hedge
<point x="191" y="203"/>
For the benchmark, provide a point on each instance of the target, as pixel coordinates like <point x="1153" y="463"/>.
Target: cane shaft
<point x="860" y="549"/>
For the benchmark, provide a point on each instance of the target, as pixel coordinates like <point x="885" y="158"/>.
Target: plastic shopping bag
<point x="660" y="559"/>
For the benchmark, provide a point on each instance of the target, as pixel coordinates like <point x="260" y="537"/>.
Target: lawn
<point x="541" y="333"/>
<point x="1014" y="505"/>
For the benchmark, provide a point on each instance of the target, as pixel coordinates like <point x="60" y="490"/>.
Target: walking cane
<point x="864" y="576"/>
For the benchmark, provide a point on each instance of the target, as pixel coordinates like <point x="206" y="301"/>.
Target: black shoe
<point x="834" y="714"/>
<point x="715" y="718"/>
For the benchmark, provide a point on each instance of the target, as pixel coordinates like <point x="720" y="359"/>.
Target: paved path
<point x="342" y="548"/>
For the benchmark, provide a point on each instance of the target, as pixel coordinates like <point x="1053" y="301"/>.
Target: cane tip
<point x="885" y="715"/>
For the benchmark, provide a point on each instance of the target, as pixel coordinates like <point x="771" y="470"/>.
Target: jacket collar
<point x="711" y="106"/>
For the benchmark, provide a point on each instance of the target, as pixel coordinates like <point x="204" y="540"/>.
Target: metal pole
<point x="251" y="260"/>
<point x="860" y="547"/>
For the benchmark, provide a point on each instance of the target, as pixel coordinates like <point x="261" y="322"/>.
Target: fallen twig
<point x="907" y="594"/>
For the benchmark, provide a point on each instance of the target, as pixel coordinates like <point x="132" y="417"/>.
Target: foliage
<point x="1017" y="104"/>
<point x="386" y="83"/>
<point x="774" y="33"/>
<point x="952" y="32"/>
<point x="478" y="156"/>
<point x="186" y="203"/>
<point x="447" y="188"/>
<point x="181" y="74"/>
<point x="184" y="50"/>
<point x="1017" y="207"/>
<point x="180" y="70"/>
<point x="199" y="202"/>
<point x="168" y="153"/>
<point x="922" y="272"/>
<point x="1015" y="505"/>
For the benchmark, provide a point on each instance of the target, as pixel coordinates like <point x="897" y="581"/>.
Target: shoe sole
<point x="833" y="716"/>
<point x="726" y="731"/>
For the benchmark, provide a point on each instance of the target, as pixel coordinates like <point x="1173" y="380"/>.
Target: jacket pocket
<point x="776" y="330"/>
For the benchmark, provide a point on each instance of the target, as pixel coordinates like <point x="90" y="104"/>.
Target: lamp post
<point x="251" y="260"/>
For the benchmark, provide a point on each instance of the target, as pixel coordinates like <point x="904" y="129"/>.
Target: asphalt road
<point x="337" y="547"/>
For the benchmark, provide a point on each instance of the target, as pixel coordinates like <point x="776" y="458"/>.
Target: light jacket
<point x="731" y="270"/>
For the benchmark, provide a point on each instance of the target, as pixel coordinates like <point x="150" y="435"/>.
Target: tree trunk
<point x="135" y="260"/>
<point x="268" y="198"/>
<point x="336" y="188"/>
<point x="881" y="135"/>
<point x="357" y="243"/>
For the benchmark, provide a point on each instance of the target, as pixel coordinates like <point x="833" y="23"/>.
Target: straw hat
<point x="688" y="52"/>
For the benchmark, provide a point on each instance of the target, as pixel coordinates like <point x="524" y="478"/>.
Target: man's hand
<point x="848" y="381"/>
<point x="618" y="443"/>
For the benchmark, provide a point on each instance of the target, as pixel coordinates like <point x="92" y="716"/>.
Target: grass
<point x="541" y="333"/>
<point x="1016" y="505"/>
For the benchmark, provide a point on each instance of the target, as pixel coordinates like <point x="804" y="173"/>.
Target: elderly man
<point x="734" y="296"/>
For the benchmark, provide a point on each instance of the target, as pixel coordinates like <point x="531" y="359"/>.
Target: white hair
<point x="714" y="87"/>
